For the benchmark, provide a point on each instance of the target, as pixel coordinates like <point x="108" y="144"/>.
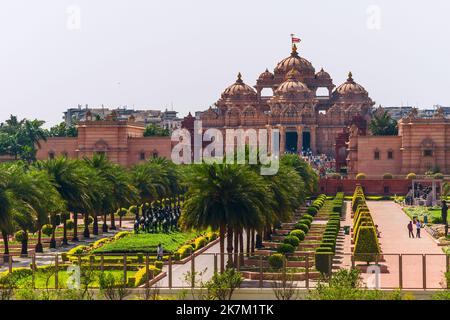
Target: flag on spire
<point x="294" y="39"/>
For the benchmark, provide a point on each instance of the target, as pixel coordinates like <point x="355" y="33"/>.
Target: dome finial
<point x="294" y="50"/>
<point x="239" y="78"/>
<point x="350" y="77"/>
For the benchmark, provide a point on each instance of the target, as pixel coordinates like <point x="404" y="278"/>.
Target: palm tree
<point x="383" y="125"/>
<point x="224" y="197"/>
<point x="72" y="184"/>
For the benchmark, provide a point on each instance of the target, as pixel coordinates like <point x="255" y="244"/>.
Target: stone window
<point x="142" y="155"/>
<point x="427" y="153"/>
<point x="376" y="155"/>
<point x="155" y="154"/>
<point x="386" y="190"/>
<point x="51" y="155"/>
<point x="390" y="154"/>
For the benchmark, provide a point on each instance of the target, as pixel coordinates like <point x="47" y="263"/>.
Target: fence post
<point x="447" y="259"/>
<point x="424" y="271"/>
<point x="125" y="268"/>
<point x="400" y="271"/>
<point x="215" y="263"/>
<point x="307" y="271"/>
<point x="56" y="271"/>
<point x="170" y="271"/>
<point x="10" y="263"/>
<point x="147" y="270"/>
<point x="102" y="261"/>
<point x="33" y="270"/>
<point x="192" y="270"/>
<point x="260" y="271"/>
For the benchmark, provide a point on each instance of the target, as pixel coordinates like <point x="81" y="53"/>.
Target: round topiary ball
<point x="47" y="229"/>
<point x="20" y="235"/>
<point x="361" y="176"/>
<point x="285" y="248"/>
<point x="302" y="227"/>
<point x="276" y="261"/>
<point x="292" y="240"/>
<point x="312" y="211"/>
<point x="300" y="234"/>
<point x="411" y="176"/>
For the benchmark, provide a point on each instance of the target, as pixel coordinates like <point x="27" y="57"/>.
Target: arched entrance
<point x="306" y="140"/>
<point x="291" y="141"/>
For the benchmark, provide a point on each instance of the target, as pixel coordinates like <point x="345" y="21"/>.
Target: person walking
<point x="418" y="227"/>
<point x="159" y="252"/>
<point x="410" y="229"/>
<point x="444" y="211"/>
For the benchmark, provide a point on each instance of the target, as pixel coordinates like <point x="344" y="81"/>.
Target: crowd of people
<point x="157" y="217"/>
<point x="420" y="192"/>
<point x="323" y="163"/>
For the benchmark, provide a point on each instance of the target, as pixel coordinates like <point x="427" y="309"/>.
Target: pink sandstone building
<point x="122" y="141"/>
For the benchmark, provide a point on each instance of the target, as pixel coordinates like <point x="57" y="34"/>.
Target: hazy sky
<point x="150" y="54"/>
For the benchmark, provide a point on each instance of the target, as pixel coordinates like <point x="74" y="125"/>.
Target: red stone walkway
<point x="392" y="222"/>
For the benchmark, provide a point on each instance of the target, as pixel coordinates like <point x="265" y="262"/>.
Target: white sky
<point x="186" y="52"/>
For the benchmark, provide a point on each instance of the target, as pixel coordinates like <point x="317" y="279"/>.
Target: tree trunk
<point x="105" y="225"/>
<point x="39" y="248"/>
<point x="222" y="229"/>
<point x="64" y="241"/>
<point x="6" y="245"/>
<point x="53" y="240"/>
<point x="241" y="247"/>
<point x="113" y="221"/>
<point x="24" y="250"/>
<point x="248" y="235"/>
<point x="230" y="247"/>
<point x="95" y="226"/>
<point x="86" y="232"/>
<point x="75" y="227"/>
<point x="252" y="245"/>
<point x="236" y="248"/>
<point x="120" y="221"/>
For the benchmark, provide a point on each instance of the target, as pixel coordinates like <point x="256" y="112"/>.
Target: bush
<point x="335" y="176"/>
<point x="366" y="245"/>
<point x="159" y="264"/>
<point x="327" y="246"/>
<point x="20" y="235"/>
<point x="411" y="176"/>
<point x="305" y="221"/>
<point x="361" y="176"/>
<point x="69" y="224"/>
<point x="285" y="248"/>
<point x="90" y="220"/>
<point x="312" y="210"/>
<point x="140" y="277"/>
<point x="387" y="176"/>
<point x="200" y="242"/>
<point x="47" y="229"/>
<point x="122" y="212"/>
<point x="438" y="175"/>
<point x="300" y="234"/>
<point x="302" y="226"/>
<point x="185" y="251"/>
<point x="324" y="262"/>
<point x="292" y="240"/>
<point x="276" y="261"/>
<point x="307" y="217"/>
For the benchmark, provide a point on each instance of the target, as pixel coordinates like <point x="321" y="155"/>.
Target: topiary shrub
<point x="200" y="242"/>
<point x="411" y="176"/>
<point x="305" y="221"/>
<point x="361" y="176"/>
<point x="159" y="264"/>
<point x="20" y="235"/>
<point x="300" y="234"/>
<point x="387" y="176"/>
<point x="323" y="262"/>
<point x="276" y="261"/>
<point x="69" y="224"/>
<point x="366" y="245"/>
<point x="312" y="210"/>
<point x="285" y="248"/>
<point x="185" y="251"/>
<point x="47" y="229"/>
<point x="438" y="175"/>
<point x="292" y="240"/>
<point x="302" y="226"/>
<point x="141" y="275"/>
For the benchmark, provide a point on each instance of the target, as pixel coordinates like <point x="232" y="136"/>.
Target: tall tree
<point x="382" y="124"/>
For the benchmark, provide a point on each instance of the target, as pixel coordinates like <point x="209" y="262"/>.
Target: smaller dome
<point x="239" y="89"/>
<point x="266" y="75"/>
<point x="322" y="74"/>
<point x="292" y="85"/>
<point x="350" y="87"/>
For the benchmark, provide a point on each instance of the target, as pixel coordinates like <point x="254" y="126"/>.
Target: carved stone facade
<point x="304" y="105"/>
<point x="420" y="146"/>
<point x="121" y="141"/>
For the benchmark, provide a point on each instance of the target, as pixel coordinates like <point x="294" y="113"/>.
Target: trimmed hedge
<point x="366" y="245"/>
<point x="292" y="240"/>
<point x="276" y="261"/>
<point x="300" y="234"/>
<point x="324" y="262"/>
<point x="285" y="248"/>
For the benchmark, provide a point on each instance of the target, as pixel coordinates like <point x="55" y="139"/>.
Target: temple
<point x="303" y="104"/>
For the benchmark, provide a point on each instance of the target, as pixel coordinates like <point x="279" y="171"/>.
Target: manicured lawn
<point x="147" y="242"/>
<point x="434" y="214"/>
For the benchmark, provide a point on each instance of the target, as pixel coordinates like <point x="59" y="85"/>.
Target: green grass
<point x="434" y="214"/>
<point x="41" y="279"/>
<point x="147" y="242"/>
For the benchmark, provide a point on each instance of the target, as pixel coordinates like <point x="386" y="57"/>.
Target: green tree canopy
<point x="383" y="125"/>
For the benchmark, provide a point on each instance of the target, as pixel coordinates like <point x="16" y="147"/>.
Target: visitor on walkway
<point x="418" y="227"/>
<point x="159" y="252"/>
<point x="444" y="211"/>
<point x="410" y="229"/>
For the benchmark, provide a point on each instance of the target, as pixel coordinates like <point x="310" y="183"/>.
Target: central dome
<point x="239" y="89"/>
<point x="292" y="84"/>
<point x="294" y="61"/>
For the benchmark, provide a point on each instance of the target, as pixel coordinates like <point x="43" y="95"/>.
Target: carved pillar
<point x="299" y="138"/>
<point x="313" y="134"/>
<point x="282" y="139"/>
